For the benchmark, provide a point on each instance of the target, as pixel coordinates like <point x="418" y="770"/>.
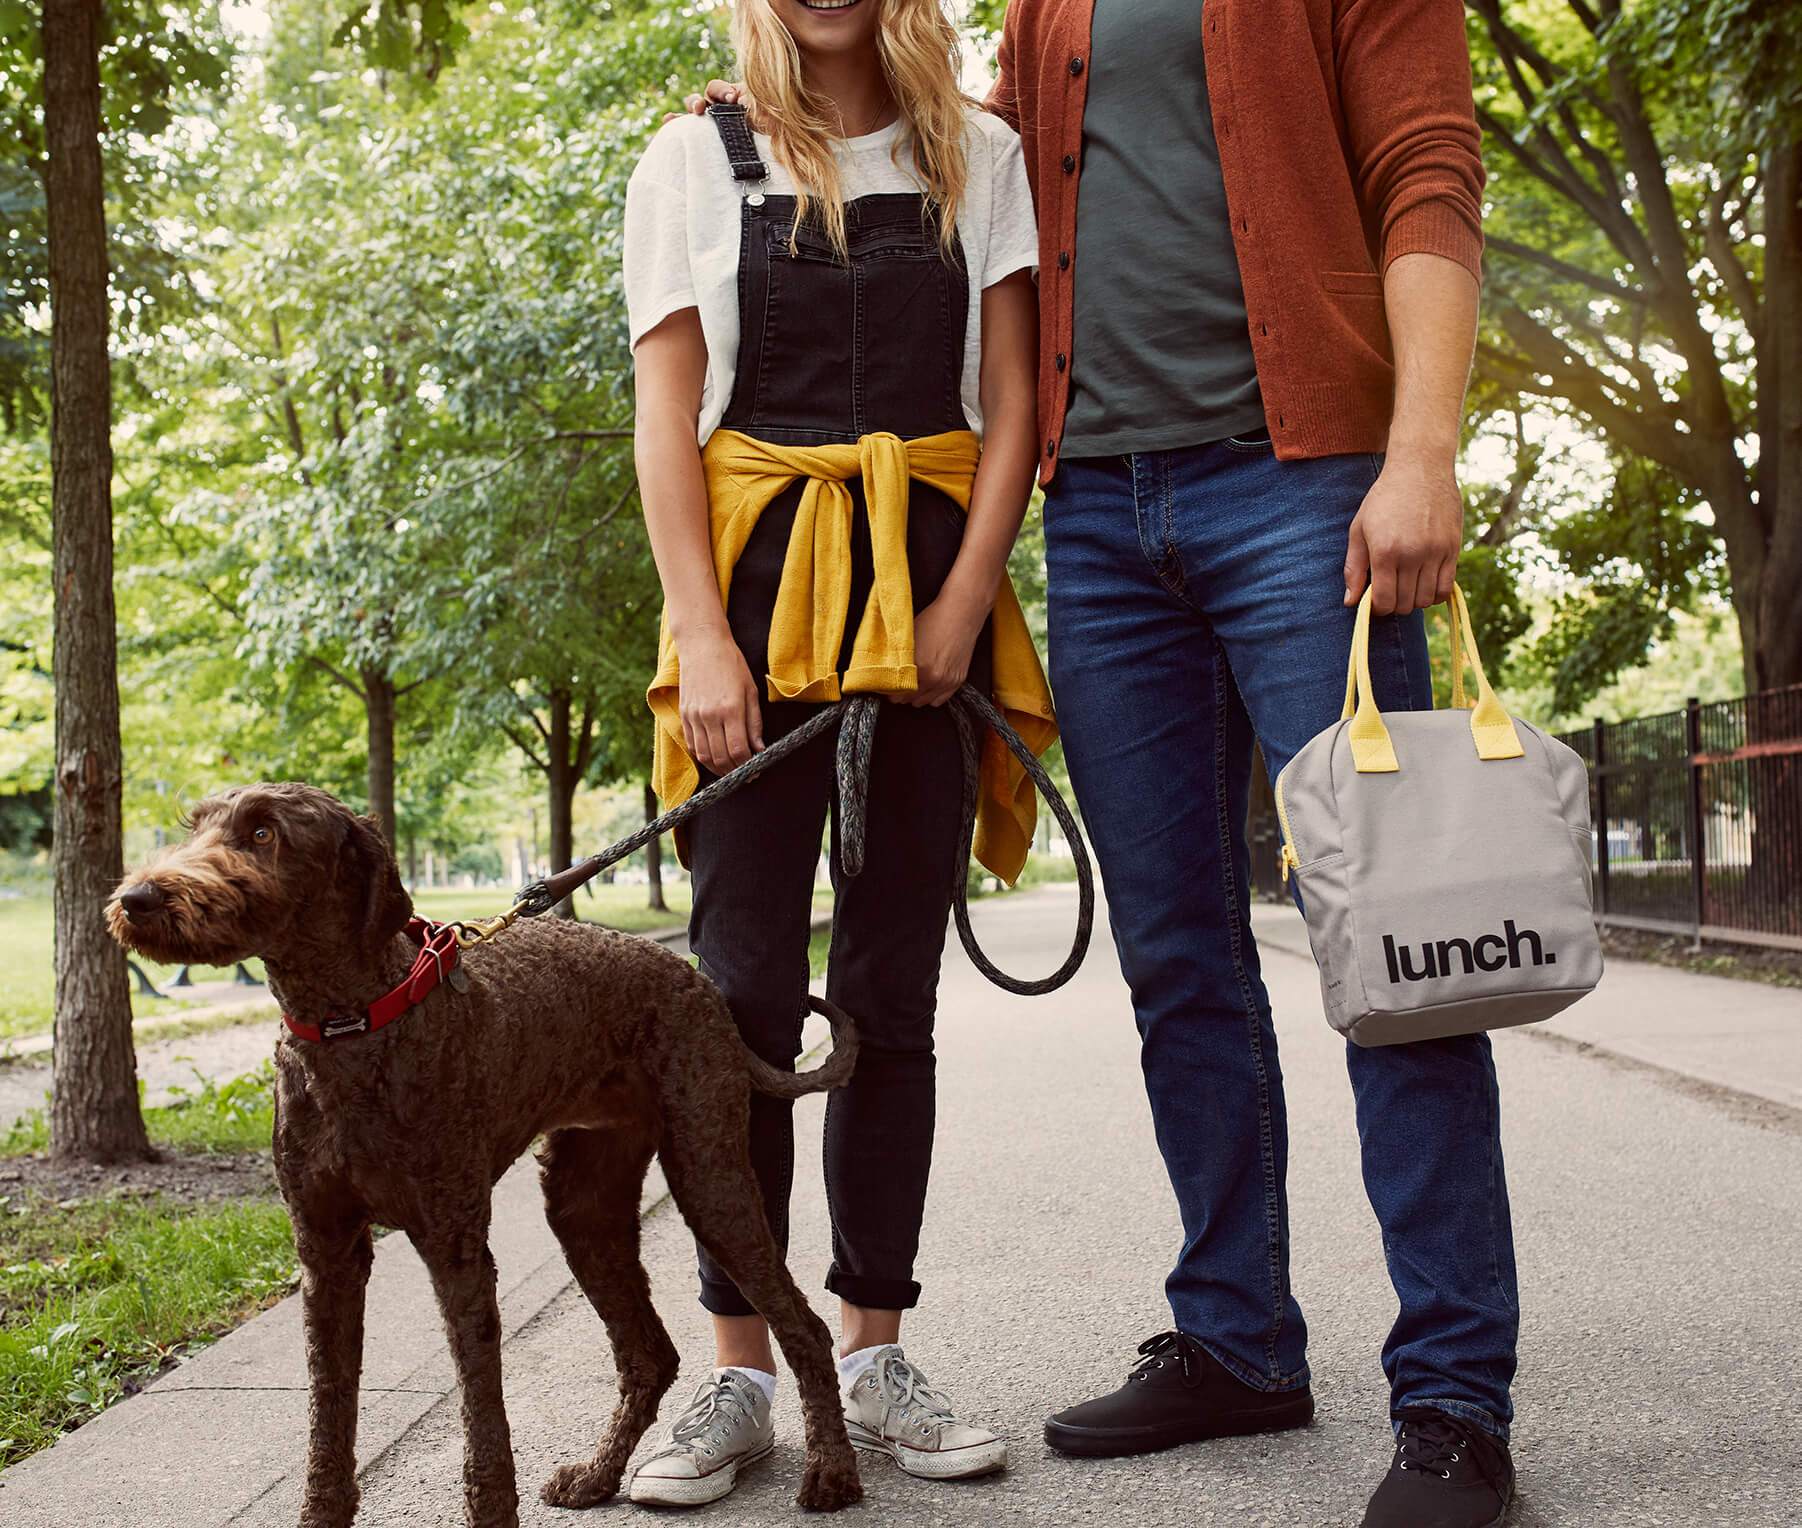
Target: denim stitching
<point x="857" y="348"/>
<point x="1498" y="1189"/>
<point x="763" y="346"/>
<point x="1266" y="1135"/>
<point x="1166" y="564"/>
<point x="1134" y="465"/>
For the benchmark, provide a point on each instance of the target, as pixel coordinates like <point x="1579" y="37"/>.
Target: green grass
<point x="27" y="976"/>
<point x="27" y="942"/>
<point x="219" y="1117"/>
<point x="616" y="906"/>
<point x="97" y="1296"/>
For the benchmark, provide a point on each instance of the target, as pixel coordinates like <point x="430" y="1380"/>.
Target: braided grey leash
<point x="855" y="717"/>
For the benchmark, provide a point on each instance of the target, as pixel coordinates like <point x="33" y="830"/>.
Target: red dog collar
<point x="438" y="957"/>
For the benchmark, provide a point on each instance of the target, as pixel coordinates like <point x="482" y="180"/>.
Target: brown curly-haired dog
<point x="608" y="1046"/>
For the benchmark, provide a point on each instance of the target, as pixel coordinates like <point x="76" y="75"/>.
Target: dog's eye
<point x="263" y="836"/>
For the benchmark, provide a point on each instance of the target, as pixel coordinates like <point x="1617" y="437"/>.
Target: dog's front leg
<point x="462" y="1272"/>
<point x="334" y="1277"/>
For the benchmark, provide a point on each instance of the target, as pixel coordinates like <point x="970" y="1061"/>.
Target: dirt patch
<point x="1744" y="962"/>
<point x="190" y="1178"/>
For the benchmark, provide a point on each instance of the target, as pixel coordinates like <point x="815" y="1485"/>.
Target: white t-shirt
<point x="682" y="232"/>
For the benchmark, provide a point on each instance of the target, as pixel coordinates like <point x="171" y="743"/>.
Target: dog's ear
<point x="383" y="904"/>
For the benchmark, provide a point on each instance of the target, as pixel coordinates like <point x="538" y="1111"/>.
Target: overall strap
<point x="741" y="148"/>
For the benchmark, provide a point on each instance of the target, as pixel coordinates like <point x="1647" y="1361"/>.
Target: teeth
<point x="829" y="5"/>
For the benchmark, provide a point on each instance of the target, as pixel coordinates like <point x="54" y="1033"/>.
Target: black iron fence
<point x="1698" y="819"/>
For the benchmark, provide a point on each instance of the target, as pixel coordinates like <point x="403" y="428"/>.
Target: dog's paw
<point x="826" y="1487"/>
<point x="333" y="1509"/>
<point x="579" y="1485"/>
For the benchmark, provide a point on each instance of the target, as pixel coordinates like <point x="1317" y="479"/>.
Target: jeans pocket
<point x="1257" y="443"/>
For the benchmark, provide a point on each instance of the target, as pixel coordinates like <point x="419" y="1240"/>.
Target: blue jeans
<point x="1196" y="603"/>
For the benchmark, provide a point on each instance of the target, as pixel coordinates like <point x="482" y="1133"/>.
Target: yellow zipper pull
<point x="1289" y="862"/>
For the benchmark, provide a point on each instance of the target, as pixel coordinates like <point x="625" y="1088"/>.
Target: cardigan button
<point x="1076" y="66"/>
<point x="1069" y="164"/>
<point x="1051" y="448"/>
<point x="1062" y="360"/>
<point x="1063" y="259"/>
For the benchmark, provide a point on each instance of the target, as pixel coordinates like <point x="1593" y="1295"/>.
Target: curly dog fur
<point x="608" y="1046"/>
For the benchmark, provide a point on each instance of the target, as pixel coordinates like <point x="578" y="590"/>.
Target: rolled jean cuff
<point x="721" y="1298"/>
<point x="873" y="1293"/>
<point x="1464" y="1411"/>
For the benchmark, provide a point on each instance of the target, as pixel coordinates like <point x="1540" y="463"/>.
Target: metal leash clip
<point x="473" y="931"/>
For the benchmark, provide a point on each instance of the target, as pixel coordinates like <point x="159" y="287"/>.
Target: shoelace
<point x="717" y="1408"/>
<point x="1164" y="1347"/>
<point x="904" y="1389"/>
<point x="1429" y="1444"/>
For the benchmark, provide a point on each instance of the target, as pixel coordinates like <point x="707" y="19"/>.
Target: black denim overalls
<point x="831" y="350"/>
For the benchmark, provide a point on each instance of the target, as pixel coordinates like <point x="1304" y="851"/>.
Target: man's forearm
<point x="1405" y="540"/>
<point x="1432" y="309"/>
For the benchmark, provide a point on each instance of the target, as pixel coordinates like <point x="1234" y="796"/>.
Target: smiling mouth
<point x="831" y="5"/>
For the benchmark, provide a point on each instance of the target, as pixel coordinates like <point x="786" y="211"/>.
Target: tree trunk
<point x="653" y="856"/>
<point x="378" y="703"/>
<point x="1777" y="659"/>
<point x="563" y="781"/>
<point x="94" y="1106"/>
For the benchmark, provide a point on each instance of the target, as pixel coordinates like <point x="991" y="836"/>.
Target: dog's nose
<point x="145" y="897"/>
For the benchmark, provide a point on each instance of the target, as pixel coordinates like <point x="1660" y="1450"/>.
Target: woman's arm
<point x="722" y="721"/>
<point x="945" y="633"/>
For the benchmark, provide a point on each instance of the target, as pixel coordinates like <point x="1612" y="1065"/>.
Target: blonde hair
<point x="918" y="46"/>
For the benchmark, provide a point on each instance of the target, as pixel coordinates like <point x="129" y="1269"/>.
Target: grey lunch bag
<point x="1443" y="859"/>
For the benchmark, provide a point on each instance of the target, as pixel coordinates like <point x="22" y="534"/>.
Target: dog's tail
<point x="833" y="1072"/>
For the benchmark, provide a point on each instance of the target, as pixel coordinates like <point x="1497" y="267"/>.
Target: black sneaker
<point x="1445" y="1474"/>
<point x="1175" y="1394"/>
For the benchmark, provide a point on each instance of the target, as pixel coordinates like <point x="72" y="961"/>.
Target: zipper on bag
<point x="1289" y="860"/>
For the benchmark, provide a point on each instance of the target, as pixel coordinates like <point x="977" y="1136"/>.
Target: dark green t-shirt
<point x="1161" y="357"/>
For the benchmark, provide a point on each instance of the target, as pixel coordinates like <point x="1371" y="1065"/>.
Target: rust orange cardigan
<point x="1347" y="138"/>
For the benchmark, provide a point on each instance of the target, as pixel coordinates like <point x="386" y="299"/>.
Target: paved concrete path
<point x="164" y="1065"/>
<point x="1659" y="1228"/>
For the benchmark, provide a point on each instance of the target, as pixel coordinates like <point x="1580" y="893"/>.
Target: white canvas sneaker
<point x="890" y="1409"/>
<point x="726" y="1427"/>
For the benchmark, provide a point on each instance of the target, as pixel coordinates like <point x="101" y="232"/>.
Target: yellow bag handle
<point x="1491" y="728"/>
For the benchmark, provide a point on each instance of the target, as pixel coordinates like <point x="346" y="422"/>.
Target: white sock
<point x="852" y="1365"/>
<point x="764" y="1382"/>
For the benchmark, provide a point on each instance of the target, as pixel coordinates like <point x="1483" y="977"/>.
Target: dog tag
<point x="459" y="979"/>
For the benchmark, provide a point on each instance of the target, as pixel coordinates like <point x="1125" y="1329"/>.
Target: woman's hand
<point x="722" y="720"/>
<point x="945" y="634"/>
<point x="722" y="91"/>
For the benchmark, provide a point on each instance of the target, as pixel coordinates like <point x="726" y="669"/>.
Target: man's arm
<point x="1408" y="533"/>
<point x="1416" y="154"/>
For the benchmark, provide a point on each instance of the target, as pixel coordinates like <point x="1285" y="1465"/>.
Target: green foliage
<point x="98" y="1295"/>
<point x="230" y="1117"/>
<point x="1633" y="296"/>
<point x="157" y="57"/>
<point x="1743" y="59"/>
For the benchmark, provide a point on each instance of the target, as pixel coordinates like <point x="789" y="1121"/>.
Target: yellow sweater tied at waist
<point x="807" y="630"/>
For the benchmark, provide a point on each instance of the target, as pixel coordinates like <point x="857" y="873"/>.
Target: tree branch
<point x="342" y="678"/>
<point x="1607" y="285"/>
<point x="585" y="738"/>
<point x="1725" y="259"/>
<point x="1578" y="383"/>
<point x="1616" y="225"/>
<point x="524" y="747"/>
<point x="1512" y="48"/>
